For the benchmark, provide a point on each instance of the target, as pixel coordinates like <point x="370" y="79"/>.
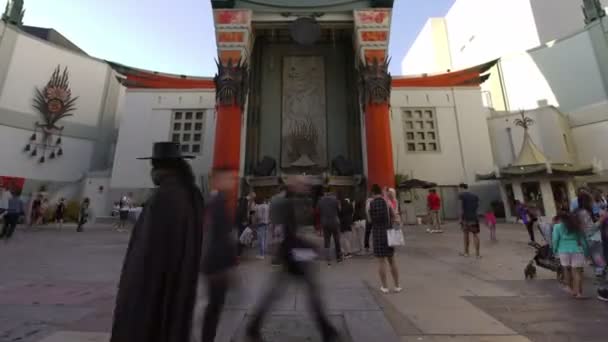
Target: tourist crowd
<point x="577" y="237"/>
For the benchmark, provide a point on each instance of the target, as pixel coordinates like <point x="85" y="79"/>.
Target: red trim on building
<point x="462" y="78"/>
<point x="136" y="78"/>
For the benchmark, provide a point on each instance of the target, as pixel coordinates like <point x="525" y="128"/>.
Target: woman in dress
<point x="381" y="216"/>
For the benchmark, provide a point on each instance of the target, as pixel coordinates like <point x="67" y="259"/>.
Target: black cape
<point x="157" y="289"/>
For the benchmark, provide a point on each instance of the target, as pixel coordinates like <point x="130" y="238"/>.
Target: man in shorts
<point x="469" y="219"/>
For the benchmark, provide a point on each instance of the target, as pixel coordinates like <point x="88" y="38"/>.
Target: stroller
<point x="544" y="256"/>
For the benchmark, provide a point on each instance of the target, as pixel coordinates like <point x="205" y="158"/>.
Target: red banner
<point x="12" y="183"/>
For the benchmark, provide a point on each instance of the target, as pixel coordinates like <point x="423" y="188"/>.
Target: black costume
<point x="157" y="289"/>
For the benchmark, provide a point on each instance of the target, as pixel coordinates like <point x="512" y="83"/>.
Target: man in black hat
<point x="157" y="289"/>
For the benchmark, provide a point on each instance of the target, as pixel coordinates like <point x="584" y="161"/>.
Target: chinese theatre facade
<point x="303" y="88"/>
<point x="305" y="73"/>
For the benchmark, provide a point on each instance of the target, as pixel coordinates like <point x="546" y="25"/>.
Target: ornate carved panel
<point x="304" y="122"/>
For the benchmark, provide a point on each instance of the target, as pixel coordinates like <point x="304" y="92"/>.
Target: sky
<point x="177" y="36"/>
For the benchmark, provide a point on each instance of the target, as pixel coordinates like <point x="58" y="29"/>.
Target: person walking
<point x="278" y="219"/>
<point x="533" y="217"/>
<point x="14" y="211"/>
<point x="242" y="222"/>
<point x="83" y="214"/>
<point x="368" y="225"/>
<point x="602" y="292"/>
<point x="570" y="245"/>
<point x="35" y="210"/>
<point x="297" y="257"/>
<point x="60" y="212"/>
<point x="219" y="249"/>
<point x="346" y="230"/>
<point x="329" y="209"/>
<point x="381" y="216"/>
<point x="392" y="201"/>
<point x="358" y="227"/>
<point x="158" y="282"/>
<point x="592" y="233"/>
<point x="123" y="213"/>
<point x="262" y="220"/>
<point x="433" y="203"/>
<point x="469" y="220"/>
<point x="491" y="224"/>
<point x="44" y="208"/>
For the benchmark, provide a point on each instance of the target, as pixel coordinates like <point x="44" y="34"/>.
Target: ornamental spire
<point x="14" y="12"/>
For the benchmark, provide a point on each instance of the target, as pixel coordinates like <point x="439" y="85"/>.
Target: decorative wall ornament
<point x="14" y="12"/>
<point x="231" y="83"/>
<point x="54" y="103"/>
<point x="593" y="10"/>
<point x="375" y="82"/>
<point x="525" y="122"/>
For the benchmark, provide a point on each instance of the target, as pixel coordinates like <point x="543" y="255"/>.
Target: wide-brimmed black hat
<point x="167" y="150"/>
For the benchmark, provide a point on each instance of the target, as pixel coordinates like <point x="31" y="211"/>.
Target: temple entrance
<point x="303" y="112"/>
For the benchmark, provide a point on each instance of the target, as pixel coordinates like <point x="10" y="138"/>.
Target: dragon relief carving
<point x="375" y="82"/>
<point x="231" y="83"/>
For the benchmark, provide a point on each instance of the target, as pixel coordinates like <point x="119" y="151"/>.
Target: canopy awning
<point x="416" y="184"/>
<point x="544" y="170"/>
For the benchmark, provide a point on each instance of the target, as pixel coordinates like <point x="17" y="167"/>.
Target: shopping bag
<point x="395" y="237"/>
<point x="246" y="237"/>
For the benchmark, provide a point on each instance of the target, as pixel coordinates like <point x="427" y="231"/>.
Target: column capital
<point x="231" y="83"/>
<point x="375" y="82"/>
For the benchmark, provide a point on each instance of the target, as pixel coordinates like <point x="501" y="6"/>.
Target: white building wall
<point x="430" y="52"/>
<point x="550" y="133"/>
<point x="462" y="130"/>
<point x="483" y="30"/>
<point x="16" y="163"/>
<point x="26" y="63"/>
<point x="31" y="65"/>
<point x="146" y="119"/>
<point x="591" y="141"/>
<point x="558" y="18"/>
<point x="474" y="133"/>
<point x="565" y="74"/>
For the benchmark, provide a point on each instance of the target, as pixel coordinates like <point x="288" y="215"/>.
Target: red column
<point x="227" y="147"/>
<point x="380" y="169"/>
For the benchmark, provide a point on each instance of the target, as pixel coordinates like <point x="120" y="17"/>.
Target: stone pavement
<point x="59" y="286"/>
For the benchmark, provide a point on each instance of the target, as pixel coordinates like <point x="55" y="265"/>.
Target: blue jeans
<point x="261" y="234"/>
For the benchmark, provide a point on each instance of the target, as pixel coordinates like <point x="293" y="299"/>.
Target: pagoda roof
<point x="532" y="162"/>
<point x="473" y="76"/>
<point x="147" y="79"/>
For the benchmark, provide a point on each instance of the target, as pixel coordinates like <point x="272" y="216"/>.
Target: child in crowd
<point x="491" y="223"/>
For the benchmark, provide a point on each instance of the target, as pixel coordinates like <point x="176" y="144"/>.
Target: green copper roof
<point x="316" y="5"/>
<point x="14" y="12"/>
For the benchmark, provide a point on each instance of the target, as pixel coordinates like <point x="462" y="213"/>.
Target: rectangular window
<point x="420" y="129"/>
<point x="187" y="130"/>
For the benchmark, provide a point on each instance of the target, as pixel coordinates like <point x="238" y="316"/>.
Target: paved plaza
<point x="59" y="286"/>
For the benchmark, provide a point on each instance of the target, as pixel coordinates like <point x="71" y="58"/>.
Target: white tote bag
<point x="395" y="237"/>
